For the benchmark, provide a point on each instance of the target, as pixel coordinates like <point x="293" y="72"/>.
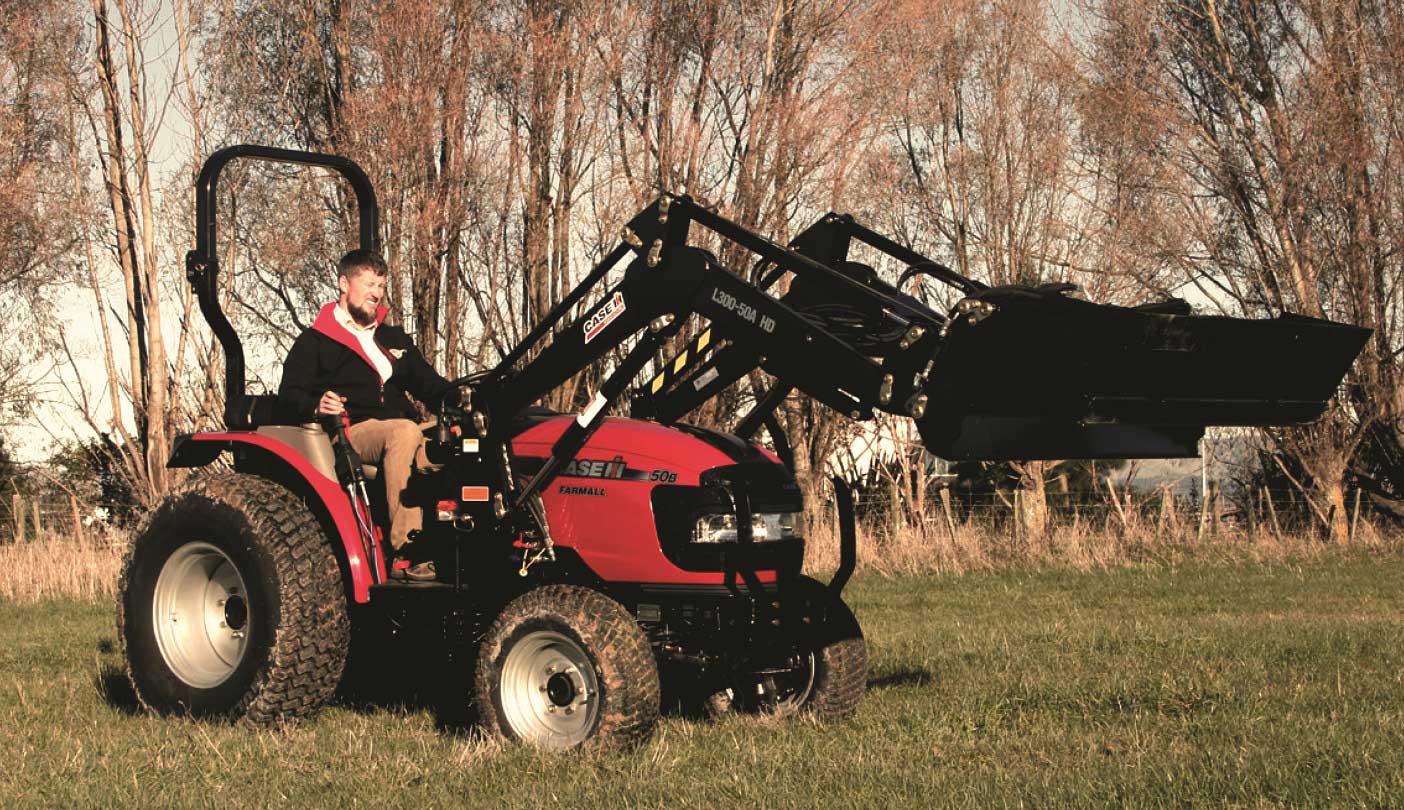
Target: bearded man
<point x="352" y="362"/>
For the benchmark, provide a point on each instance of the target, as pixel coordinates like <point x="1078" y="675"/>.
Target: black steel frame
<point x="202" y="263"/>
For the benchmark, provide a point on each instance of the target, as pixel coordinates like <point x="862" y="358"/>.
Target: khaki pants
<point x="395" y="445"/>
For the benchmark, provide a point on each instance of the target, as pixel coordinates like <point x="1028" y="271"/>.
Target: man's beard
<point x="363" y="315"/>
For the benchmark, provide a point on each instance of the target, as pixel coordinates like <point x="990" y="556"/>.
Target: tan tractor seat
<point x="310" y="442"/>
<point x="313" y="444"/>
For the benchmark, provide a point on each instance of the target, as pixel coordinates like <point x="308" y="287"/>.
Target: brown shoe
<point x="417" y="572"/>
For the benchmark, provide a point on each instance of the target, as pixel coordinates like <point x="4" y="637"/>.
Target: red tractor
<point x="587" y="554"/>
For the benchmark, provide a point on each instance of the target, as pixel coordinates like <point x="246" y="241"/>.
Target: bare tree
<point x="39" y="228"/>
<point x="1277" y="123"/>
<point x="987" y="130"/>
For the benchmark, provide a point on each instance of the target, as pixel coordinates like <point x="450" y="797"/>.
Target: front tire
<point x="824" y="672"/>
<point x="231" y="605"/>
<point x="564" y="666"/>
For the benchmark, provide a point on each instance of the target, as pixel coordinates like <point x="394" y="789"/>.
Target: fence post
<point x="17" y="507"/>
<point x="38" y="520"/>
<point x="1355" y="517"/>
<point x="1169" y="521"/>
<point x="1272" y="514"/>
<point x="77" y="520"/>
<point x="950" y="521"/>
<point x="1111" y="491"/>
<point x="1018" y="516"/>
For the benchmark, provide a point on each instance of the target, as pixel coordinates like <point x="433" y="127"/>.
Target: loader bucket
<point x="1029" y="373"/>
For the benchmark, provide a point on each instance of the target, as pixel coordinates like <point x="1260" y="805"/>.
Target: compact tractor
<point x="596" y="560"/>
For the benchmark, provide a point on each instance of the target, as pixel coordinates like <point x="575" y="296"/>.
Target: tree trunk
<point x="1337" y="520"/>
<point x="1033" y="500"/>
<point x="154" y="374"/>
<point x="543" y="90"/>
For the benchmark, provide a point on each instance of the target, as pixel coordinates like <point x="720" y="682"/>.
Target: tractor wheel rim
<point x="550" y="692"/>
<point x="795" y="686"/>
<point x="201" y="615"/>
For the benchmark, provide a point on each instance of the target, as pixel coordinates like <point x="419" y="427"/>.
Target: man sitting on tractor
<point x="350" y="362"/>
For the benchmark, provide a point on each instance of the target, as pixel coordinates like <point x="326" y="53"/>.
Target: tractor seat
<point x="308" y="441"/>
<point x="264" y="414"/>
<point x="311" y="442"/>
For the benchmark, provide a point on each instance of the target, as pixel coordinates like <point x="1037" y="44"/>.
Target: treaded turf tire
<point x="296" y="615"/>
<point x="592" y="626"/>
<point x="840" y="666"/>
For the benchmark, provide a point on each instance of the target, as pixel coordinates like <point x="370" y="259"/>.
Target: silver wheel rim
<point x="550" y="693"/>
<point x="805" y="687"/>
<point x="201" y="615"/>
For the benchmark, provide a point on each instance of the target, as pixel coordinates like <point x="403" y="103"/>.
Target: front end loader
<point x="594" y="562"/>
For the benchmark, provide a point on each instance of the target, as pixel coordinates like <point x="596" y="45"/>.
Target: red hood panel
<point x="603" y="507"/>
<point x="662" y="446"/>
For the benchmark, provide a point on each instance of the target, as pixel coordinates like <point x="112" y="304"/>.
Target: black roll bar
<point x="202" y="263"/>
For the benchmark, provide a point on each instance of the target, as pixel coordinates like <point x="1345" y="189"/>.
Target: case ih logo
<point x="596" y="323"/>
<point x="615" y="469"/>
<point x="594" y="468"/>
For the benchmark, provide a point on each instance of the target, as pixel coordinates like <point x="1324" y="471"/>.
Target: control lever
<point x="353" y="480"/>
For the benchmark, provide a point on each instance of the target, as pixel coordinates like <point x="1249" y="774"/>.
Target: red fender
<point x="338" y="505"/>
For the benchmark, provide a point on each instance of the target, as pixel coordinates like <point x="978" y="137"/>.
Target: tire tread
<point x="628" y="669"/>
<point x="308" y="651"/>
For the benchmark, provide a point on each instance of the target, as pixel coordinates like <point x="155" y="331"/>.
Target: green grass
<point x="1231" y="685"/>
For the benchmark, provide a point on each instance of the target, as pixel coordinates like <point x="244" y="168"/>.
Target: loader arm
<point x="714" y="360"/>
<point x="1010" y="373"/>
<point x="1023" y="372"/>
<point x="666" y="280"/>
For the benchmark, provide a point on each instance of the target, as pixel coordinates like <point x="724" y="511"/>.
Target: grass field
<point x="1200" y="684"/>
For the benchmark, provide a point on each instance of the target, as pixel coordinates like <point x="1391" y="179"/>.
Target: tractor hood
<point x="1030" y="373"/>
<point x="684" y="450"/>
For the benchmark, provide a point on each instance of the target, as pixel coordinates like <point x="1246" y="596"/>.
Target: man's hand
<point x="331" y="404"/>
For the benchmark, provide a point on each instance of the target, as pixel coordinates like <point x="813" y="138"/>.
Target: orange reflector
<point x="475" y="494"/>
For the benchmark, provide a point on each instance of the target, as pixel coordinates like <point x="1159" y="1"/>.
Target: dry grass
<point x="60" y="567"/>
<point x="57" y="567"/>
<point x="980" y="545"/>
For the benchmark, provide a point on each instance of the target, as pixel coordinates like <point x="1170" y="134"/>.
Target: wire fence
<point x="34" y="517"/>
<point x="29" y="517"/>
<point x="1268" y="509"/>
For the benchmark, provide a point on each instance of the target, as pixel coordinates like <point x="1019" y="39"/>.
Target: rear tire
<point x="231" y="605"/>
<point x="564" y="666"/>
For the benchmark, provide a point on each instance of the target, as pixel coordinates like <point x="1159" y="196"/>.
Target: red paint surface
<point x="331" y="494"/>
<point x="615" y="534"/>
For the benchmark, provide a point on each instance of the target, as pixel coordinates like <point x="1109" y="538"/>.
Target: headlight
<point x="764" y="528"/>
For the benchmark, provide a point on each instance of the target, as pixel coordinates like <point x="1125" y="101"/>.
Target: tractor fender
<point x="266" y="456"/>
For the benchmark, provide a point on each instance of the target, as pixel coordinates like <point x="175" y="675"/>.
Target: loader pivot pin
<point x="913" y="334"/>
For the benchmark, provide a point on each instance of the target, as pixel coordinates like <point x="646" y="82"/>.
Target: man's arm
<point x="301" y="387"/>
<point x="419" y="378"/>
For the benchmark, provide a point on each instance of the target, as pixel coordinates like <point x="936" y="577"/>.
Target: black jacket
<point x="322" y="359"/>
